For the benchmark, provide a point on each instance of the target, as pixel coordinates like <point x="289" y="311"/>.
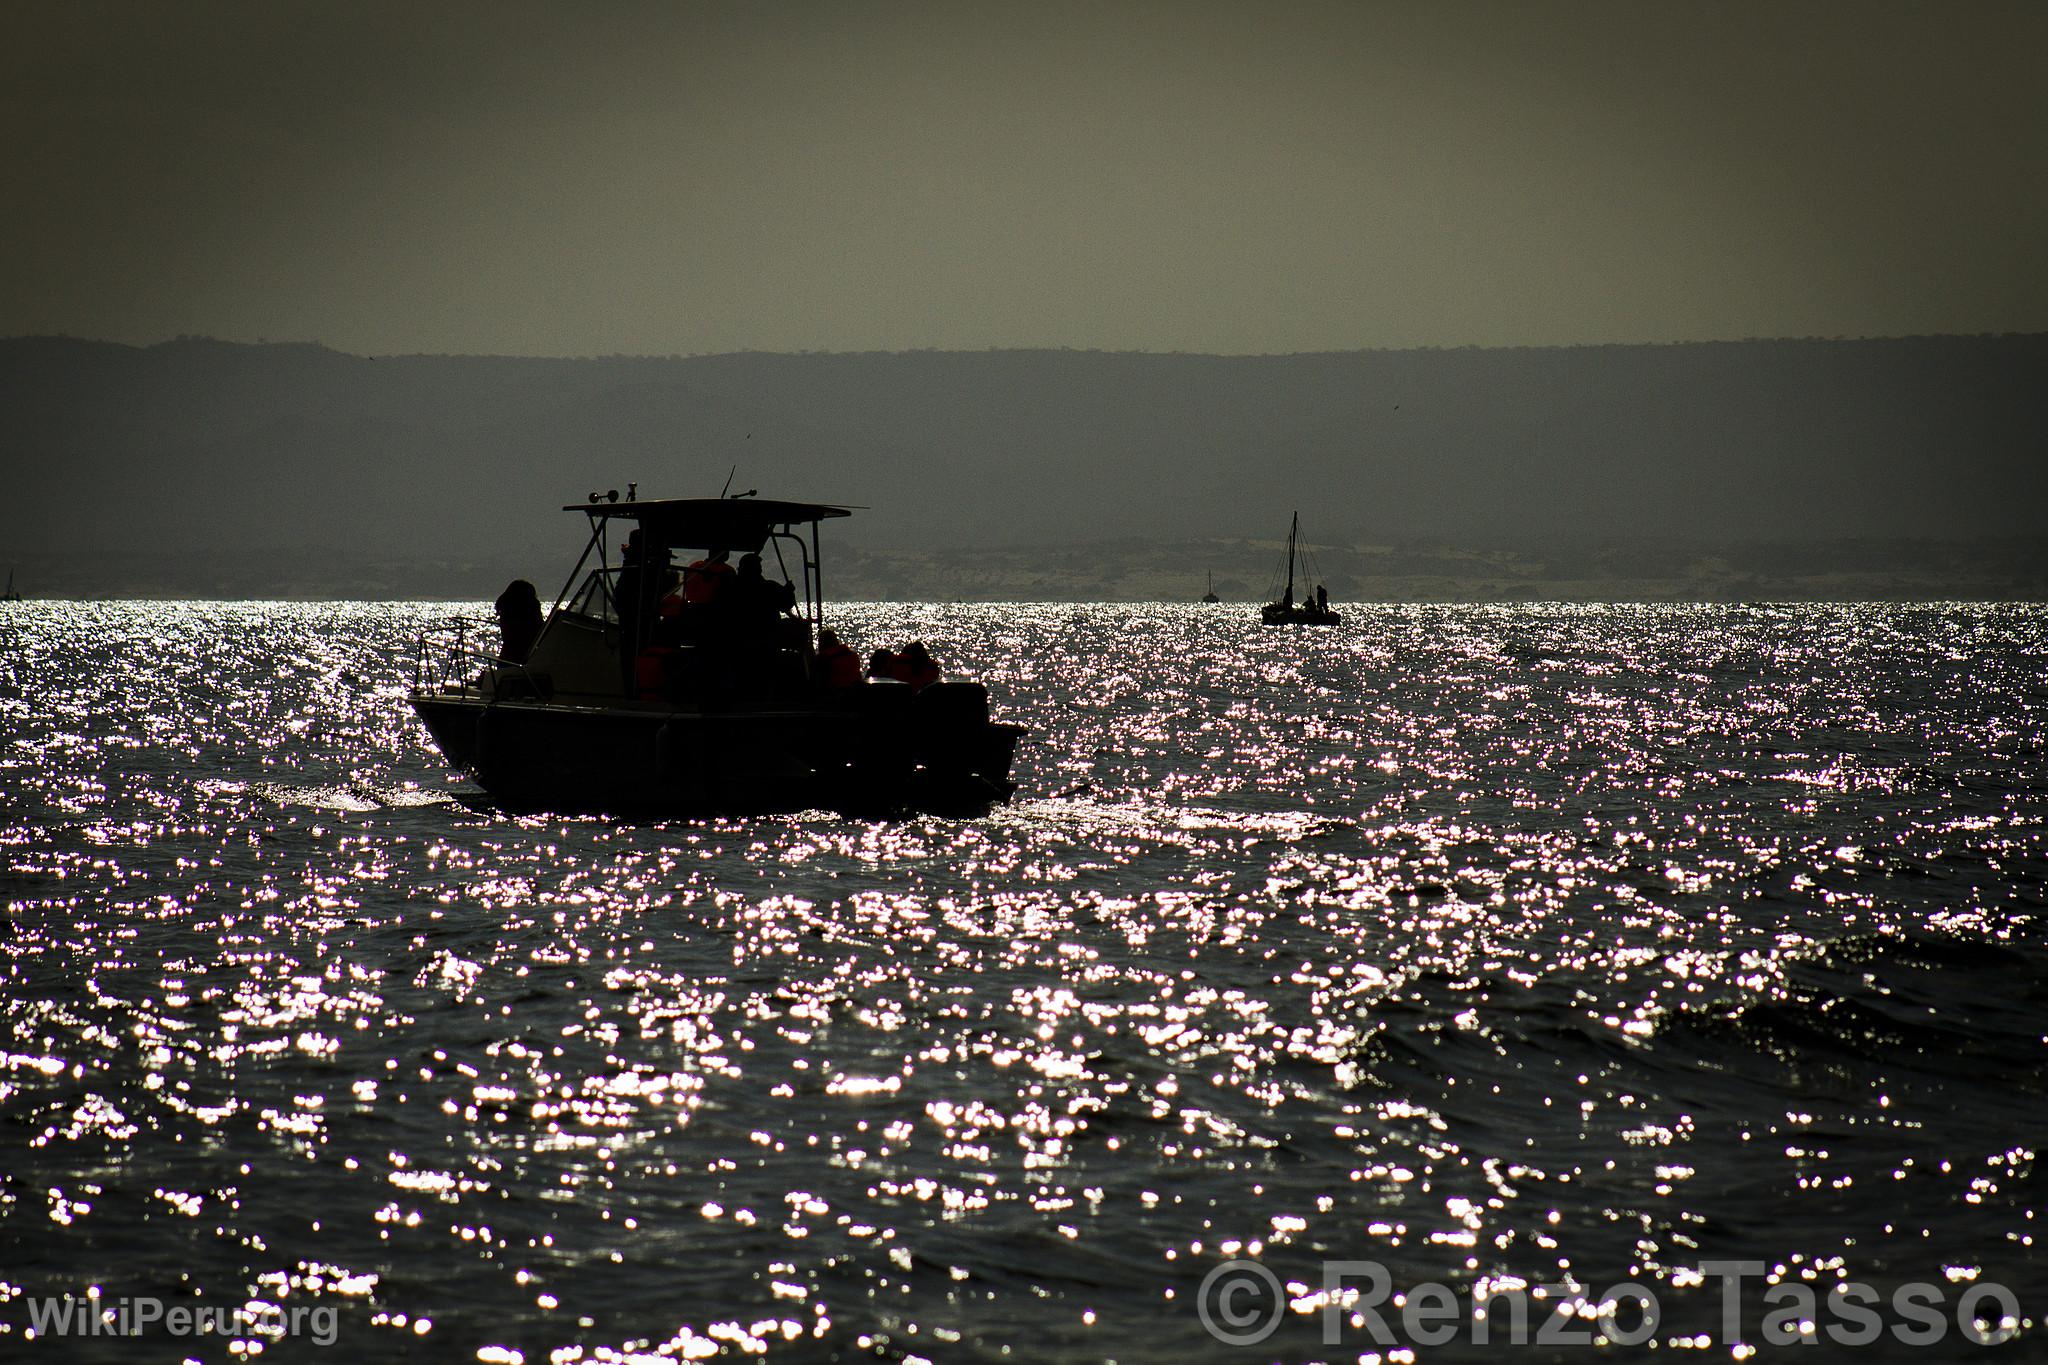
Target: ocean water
<point x="1488" y="947"/>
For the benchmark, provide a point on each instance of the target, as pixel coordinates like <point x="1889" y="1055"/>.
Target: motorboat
<point x="1313" y="609"/>
<point x="649" y="688"/>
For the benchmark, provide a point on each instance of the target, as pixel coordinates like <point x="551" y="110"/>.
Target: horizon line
<point x="197" y="339"/>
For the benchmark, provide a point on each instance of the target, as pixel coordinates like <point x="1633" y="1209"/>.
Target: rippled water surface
<point x="1496" y="945"/>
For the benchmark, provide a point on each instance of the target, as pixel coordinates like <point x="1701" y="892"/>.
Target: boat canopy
<point x="739" y="524"/>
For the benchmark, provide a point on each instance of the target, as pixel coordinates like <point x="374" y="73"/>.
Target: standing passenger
<point x="518" y="620"/>
<point x="627" y="589"/>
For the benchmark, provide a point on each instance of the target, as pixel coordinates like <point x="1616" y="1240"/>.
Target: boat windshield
<point x="594" y="598"/>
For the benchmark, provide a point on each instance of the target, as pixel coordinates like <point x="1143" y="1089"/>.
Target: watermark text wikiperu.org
<point x="1358" y="1303"/>
<point x="69" y="1316"/>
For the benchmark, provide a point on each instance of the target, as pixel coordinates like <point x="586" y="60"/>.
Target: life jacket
<point x="650" y="673"/>
<point x="840" y="665"/>
<point x="705" y="579"/>
<point x="919" y="674"/>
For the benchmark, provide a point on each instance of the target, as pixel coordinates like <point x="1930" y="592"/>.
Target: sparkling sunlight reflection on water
<point x="1494" y="944"/>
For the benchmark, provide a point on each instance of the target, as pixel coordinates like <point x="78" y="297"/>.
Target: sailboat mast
<point x="1293" y="530"/>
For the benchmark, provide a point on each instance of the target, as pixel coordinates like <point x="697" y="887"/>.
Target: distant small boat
<point x="10" y="595"/>
<point x="1312" y="610"/>
<point x="1210" y="598"/>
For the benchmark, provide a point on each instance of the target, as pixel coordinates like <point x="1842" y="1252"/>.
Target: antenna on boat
<point x="728" y="482"/>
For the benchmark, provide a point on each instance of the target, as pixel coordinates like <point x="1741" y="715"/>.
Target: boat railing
<point x="460" y="657"/>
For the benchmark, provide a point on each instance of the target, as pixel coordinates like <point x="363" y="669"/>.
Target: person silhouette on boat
<point x="1322" y="598"/>
<point x="689" y="601"/>
<point x="626" y="592"/>
<point x="837" y="666"/>
<point x="669" y="615"/>
<point x="914" y="666"/>
<point x="519" y="620"/>
<point x="752" y="605"/>
<point x="705" y="579"/>
<point x="645" y="574"/>
<point x="753" y="589"/>
<point x="882" y="665"/>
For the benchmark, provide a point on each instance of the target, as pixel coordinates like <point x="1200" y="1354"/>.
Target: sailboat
<point x="10" y="595"/>
<point x="1209" y="598"/>
<point x="1313" y="609"/>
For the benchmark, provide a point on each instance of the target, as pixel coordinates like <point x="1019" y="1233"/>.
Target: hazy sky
<point x="1237" y="177"/>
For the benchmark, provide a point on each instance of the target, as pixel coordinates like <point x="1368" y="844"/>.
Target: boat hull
<point x="875" y="756"/>
<point x="1273" y="614"/>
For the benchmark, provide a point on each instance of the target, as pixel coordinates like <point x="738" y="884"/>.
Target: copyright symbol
<point x="1240" y="1303"/>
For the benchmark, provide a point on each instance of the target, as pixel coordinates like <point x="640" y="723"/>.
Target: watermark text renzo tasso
<point x="142" y="1315"/>
<point x="1241" y="1303"/>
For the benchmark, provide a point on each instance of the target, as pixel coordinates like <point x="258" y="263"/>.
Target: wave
<point x="351" y="797"/>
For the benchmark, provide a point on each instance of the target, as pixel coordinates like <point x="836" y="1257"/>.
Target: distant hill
<point x="198" y="462"/>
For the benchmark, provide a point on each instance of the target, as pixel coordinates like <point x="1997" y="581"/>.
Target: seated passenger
<point x="882" y="665"/>
<point x="916" y="667"/>
<point x="837" y="665"/>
